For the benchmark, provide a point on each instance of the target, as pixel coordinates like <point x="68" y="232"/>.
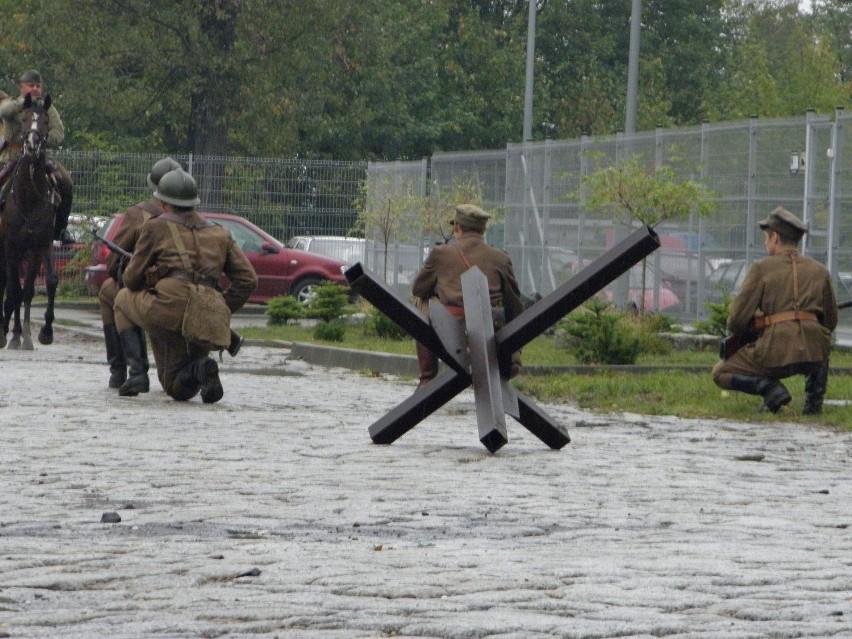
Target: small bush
<point x="282" y="309"/>
<point x="330" y="331"/>
<point x="331" y="302"/>
<point x="596" y="335"/>
<point x="383" y="326"/>
<point x="717" y="323"/>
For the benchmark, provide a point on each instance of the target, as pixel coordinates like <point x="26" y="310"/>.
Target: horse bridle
<point x="33" y="140"/>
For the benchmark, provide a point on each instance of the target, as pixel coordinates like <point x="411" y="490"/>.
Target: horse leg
<point x="51" y="279"/>
<point x="12" y="306"/>
<point x="33" y="267"/>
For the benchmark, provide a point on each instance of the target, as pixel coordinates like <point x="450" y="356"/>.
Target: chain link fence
<point x="535" y="191"/>
<point x="752" y="165"/>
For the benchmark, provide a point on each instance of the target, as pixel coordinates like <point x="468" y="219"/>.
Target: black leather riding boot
<point x="815" y="386"/>
<point x="236" y="343"/>
<point x="774" y="393"/>
<point x="115" y="357"/>
<point x="202" y="373"/>
<point x="136" y="356"/>
<point x="428" y="364"/>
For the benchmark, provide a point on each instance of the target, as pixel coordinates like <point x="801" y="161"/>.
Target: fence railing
<point x="545" y="225"/>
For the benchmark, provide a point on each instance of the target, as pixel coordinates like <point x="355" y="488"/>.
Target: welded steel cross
<point x="476" y="355"/>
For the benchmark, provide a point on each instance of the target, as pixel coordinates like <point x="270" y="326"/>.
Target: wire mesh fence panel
<point x="536" y="193"/>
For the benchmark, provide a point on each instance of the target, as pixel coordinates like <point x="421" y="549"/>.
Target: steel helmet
<point x="160" y="168"/>
<point x="178" y="188"/>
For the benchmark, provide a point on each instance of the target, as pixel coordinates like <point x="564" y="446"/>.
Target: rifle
<point x="115" y="248"/>
<point x="731" y="344"/>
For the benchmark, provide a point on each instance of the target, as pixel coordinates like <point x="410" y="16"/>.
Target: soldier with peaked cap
<point x="11" y="110"/>
<point x="440" y="277"/>
<point x="184" y="252"/>
<point x="790" y="299"/>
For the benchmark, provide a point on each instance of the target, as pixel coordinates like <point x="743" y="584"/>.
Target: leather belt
<point x="785" y="316"/>
<point x="206" y="280"/>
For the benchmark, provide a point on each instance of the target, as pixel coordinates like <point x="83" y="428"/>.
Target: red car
<point x="280" y="270"/>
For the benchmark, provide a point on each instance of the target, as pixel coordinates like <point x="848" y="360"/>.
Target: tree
<point x="634" y="192"/>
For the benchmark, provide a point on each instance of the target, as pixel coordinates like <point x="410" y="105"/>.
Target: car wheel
<point x="305" y="289"/>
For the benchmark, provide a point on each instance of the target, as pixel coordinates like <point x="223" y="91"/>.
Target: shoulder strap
<point x="184" y="256"/>
<point x="463" y="256"/>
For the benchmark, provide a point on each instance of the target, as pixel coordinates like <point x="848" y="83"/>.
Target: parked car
<point x="346" y="249"/>
<point x="725" y="280"/>
<point x="280" y="270"/>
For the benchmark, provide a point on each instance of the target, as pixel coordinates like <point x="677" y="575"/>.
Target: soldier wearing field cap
<point x="440" y="277"/>
<point x="11" y="113"/>
<point x="789" y="300"/>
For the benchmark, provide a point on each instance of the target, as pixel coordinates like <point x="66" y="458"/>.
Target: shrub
<point x="383" y="326"/>
<point x="596" y="336"/>
<point x="717" y="323"/>
<point x="329" y="303"/>
<point x="330" y="331"/>
<point x="284" y="308"/>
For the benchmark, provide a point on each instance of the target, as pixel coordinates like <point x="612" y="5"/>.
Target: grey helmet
<point x="178" y="188"/>
<point x="160" y="168"/>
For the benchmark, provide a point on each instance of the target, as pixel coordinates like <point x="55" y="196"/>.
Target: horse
<point x="26" y="231"/>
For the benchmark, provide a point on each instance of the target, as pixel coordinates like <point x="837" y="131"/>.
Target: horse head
<point x="34" y="123"/>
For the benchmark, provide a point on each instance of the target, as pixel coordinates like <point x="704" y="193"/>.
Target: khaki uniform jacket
<point x="212" y="254"/>
<point x="10" y="113"/>
<point x="441" y="274"/>
<point x="768" y="287"/>
<point x="128" y="233"/>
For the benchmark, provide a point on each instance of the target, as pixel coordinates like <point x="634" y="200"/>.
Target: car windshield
<point x="244" y="237"/>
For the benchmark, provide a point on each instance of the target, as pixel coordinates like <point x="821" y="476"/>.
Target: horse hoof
<point x="27" y="346"/>
<point x="45" y="338"/>
<point x="14" y="345"/>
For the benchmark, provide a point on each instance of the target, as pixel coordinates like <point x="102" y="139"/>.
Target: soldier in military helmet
<point x="176" y="251"/>
<point x="11" y="110"/>
<point x="790" y="299"/>
<point x="134" y="217"/>
<point x="440" y="277"/>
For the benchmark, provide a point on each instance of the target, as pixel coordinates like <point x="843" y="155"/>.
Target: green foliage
<point x="329" y="303"/>
<point x="382" y="326"/>
<point x="330" y="331"/>
<point x="635" y="191"/>
<point x="717" y="323"/>
<point x="596" y="335"/>
<point x="284" y="308"/>
<point x="646" y="329"/>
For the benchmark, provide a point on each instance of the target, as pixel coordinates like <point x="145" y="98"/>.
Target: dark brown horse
<point x="26" y="231"/>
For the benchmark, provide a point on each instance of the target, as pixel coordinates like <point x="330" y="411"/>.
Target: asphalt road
<point x="271" y="514"/>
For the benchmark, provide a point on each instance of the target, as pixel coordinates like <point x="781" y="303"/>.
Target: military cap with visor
<point x="31" y="76"/>
<point x="470" y="216"/>
<point x="785" y="224"/>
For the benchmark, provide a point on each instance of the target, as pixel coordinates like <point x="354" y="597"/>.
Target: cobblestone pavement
<point x="271" y="514"/>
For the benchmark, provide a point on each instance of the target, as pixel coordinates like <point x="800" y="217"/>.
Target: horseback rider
<point x="10" y="149"/>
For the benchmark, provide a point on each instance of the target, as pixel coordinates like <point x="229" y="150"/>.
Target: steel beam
<point x="564" y="299"/>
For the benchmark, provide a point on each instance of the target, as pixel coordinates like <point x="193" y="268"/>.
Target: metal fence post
<point x="836" y="163"/>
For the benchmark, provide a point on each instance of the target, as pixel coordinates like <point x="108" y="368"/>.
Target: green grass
<point x="688" y="395"/>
